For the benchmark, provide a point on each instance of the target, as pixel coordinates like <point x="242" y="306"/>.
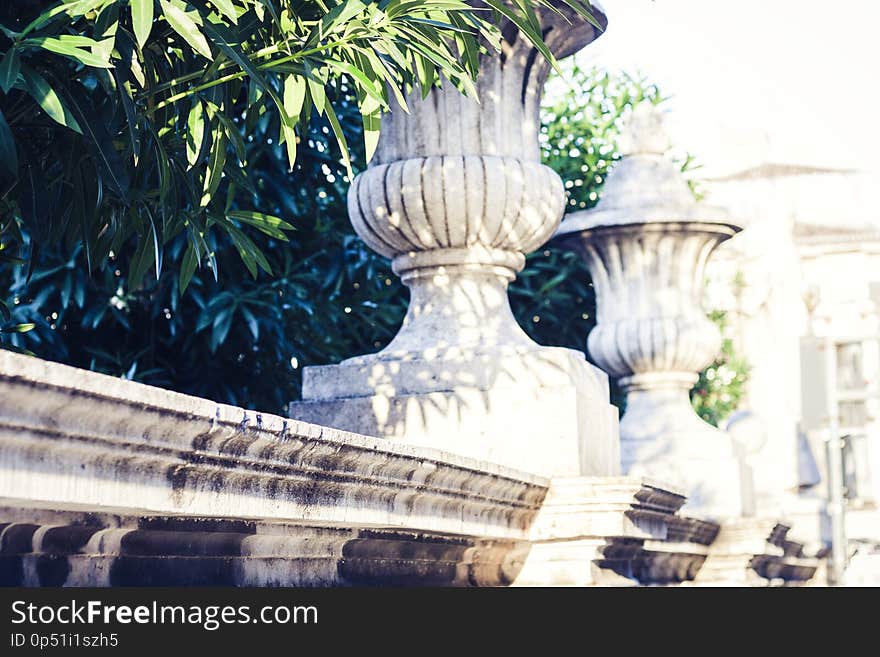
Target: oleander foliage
<point x="124" y="123"/>
<point x="187" y="228"/>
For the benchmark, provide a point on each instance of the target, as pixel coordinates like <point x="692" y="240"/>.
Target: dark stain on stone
<point x="52" y="569"/>
<point x="272" y="488"/>
<point x="196" y="524"/>
<point x="182" y="543"/>
<point x="17" y="538"/>
<point x="172" y="571"/>
<point x="11" y="570"/>
<point x="178" y="476"/>
<point x="237" y="444"/>
<point x="201" y="441"/>
<point x="397" y="572"/>
<point x="66" y="539"/>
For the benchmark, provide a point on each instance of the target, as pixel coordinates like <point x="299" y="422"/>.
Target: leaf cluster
<point x="123" y="123"/>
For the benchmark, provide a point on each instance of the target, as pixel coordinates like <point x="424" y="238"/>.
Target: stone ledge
<point x="755" y="551"/>
<point x="75" y="437"/>
<point x="606" y="506"/>
<point x="614" y="531"/>
<point x="49" y="547"/>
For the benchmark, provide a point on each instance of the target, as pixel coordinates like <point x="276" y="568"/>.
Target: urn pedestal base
<point x="544" y="410"/>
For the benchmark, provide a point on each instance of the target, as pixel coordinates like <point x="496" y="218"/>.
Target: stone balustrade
<point x="476" y="457"/>
<point x="106" y="482"/>
<point x="67" y="435"/>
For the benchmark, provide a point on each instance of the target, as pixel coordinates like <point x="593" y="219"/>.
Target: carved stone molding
<point x="75" y="437"/>
<point x="614" y="531"/>
<point x="756" y="552"/>
<point x="48" y="547"/>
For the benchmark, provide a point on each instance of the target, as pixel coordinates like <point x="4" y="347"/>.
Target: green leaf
<point x="186" y="24"/>
<point x="316" y="90"/>
<point x="364" y="82"/>
<point x="250" y="254"/>
<point x="371" y="114"/>
<point x="8" y="151"/>
<point x="17" y="350"/>
<point x="223" y="39"/>
<point x="105" y="32"/>
<point x="141" y="260"/>
<point x="98" y="140"/>
<point x="9" y="68"/>
<point x="157" y="252"/>
<point x="340" y="138"/>
<point x="73" y="47"/>
<point x="220" y="327"/>
<point x="267" y="223"/>
<point x="294" y="95"/>
<point x="195" y="132"/>
<point x="131" y="115"/>
<point x="226" y="8"/>
<point x="379" y="69"/>
<point x="216" y="162"/>
<point x="288" y="136"/>
<point x="234" y="135"/>
<point x="18" y="328"/>
<point x="252" y="323"/>
<point x="527" y="23"/>
<point x="340" y="15"/>
<point x="187" y="268"/>
<point x="73" y="9"/>
<point x="40" y="91"/>
<point x="142" y="20"/>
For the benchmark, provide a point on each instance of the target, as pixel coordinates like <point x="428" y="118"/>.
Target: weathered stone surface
<point x="512" y="407"/>
<point x="456" y="196"/>
<point x="613" y="531"/>
<point x="68" y="436"/>
<point x="107" y="482"/>
<point x="756" y="552"/>
<point x="40" y="546"/>
<point x="647" y="243"/>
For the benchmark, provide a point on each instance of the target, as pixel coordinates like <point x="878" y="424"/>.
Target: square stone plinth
<point x="542" y="410"/>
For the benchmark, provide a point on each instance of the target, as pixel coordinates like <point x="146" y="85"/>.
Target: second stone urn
<point x="647" y="243"/>
<point x="456" y="196"/>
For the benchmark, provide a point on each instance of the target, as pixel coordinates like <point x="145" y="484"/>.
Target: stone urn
<point x="456" y="196"/>
<point x="647" y="243"/>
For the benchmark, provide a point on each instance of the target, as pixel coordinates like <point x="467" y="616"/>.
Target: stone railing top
<point x="77" y="437"/>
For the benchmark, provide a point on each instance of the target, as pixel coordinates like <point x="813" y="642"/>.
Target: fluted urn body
<point x="647" y="244"/>
<point x="456" y="196"/>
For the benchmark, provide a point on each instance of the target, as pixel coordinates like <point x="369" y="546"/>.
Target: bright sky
<point x="784" y="81"/>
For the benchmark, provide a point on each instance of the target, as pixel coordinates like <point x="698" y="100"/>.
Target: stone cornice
<point x="75" y="437"/>
<point x="44" y="546"/>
